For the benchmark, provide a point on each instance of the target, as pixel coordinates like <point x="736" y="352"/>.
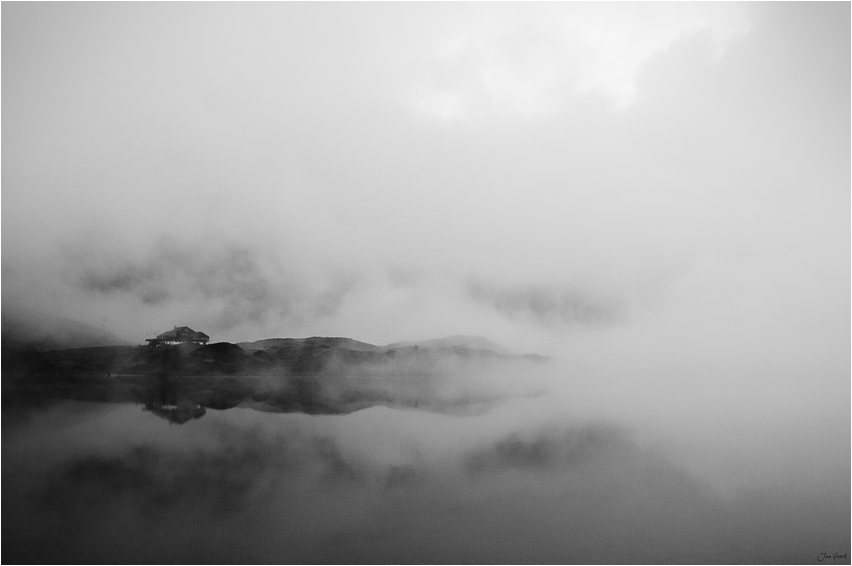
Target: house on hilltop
<point x="179" y="335"/>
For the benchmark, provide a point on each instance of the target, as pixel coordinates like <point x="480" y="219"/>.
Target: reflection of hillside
<point x="310" y="375"/>
<point x="290" y="357"/>
<point x="176" y="413"/>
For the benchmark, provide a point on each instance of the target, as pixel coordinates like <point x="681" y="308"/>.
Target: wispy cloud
<point x="544" y="304"/>
<point x="236" y="282"/>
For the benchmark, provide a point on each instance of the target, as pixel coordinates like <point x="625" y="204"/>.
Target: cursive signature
<point x="835" y="556"/>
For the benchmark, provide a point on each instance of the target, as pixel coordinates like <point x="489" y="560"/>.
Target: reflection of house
<point x="179" y="413"/>
<point x="180" y="335"/>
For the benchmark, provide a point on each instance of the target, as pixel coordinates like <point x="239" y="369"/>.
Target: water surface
<point x="103" y="482"/>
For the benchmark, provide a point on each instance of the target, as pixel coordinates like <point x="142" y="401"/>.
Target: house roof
<point x="182" y="333"/>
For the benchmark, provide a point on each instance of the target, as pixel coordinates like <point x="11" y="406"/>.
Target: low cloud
<point x="237" y="283"/>
<point x="545" y="305"/>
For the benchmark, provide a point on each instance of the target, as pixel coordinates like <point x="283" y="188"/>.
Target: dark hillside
<point x="316" y="356"/>
<point x="311" y="375"/>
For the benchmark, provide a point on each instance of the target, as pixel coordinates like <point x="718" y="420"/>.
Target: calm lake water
<point x="122" y="482"/>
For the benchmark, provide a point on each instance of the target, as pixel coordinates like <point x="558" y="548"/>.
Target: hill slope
<point x="33" y="330"/>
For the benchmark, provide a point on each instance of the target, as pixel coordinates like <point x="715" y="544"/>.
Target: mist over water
<point x="654" y="197"/>
<point x="537" y="475"/>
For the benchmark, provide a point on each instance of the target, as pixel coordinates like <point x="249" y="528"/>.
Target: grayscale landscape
<point x="426" y="283"/>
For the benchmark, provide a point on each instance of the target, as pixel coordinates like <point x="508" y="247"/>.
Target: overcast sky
<point x="660" y="177"/>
